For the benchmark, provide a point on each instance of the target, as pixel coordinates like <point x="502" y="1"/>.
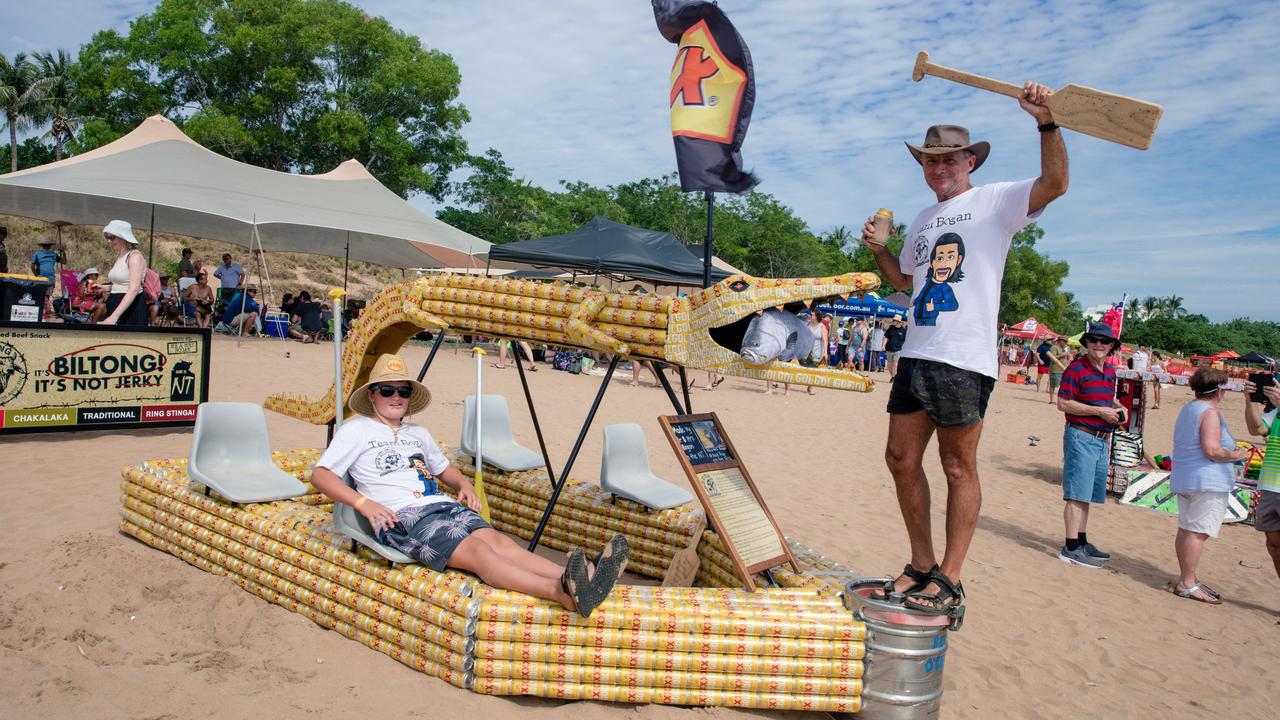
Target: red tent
<point x="1226" y="355"/>
<point x="1030" y="328"/>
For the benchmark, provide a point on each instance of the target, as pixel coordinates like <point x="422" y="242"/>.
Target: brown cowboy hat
<point x="943" y="139"/>
<point x="388" y="368"/>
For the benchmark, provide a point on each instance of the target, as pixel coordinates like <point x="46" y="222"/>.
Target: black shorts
<point x="951" y="397"/>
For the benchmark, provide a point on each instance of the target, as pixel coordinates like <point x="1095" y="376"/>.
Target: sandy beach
<point x="94" y="623"/>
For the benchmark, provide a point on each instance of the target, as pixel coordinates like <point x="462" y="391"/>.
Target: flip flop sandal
<point x="1210" y="591"/>
<point x="918" y="580"/>
<point x="610" y="564"/>
<point x="574" y="582"/>
<point x="948" y="598"/>
<point x="1208" y="597"/>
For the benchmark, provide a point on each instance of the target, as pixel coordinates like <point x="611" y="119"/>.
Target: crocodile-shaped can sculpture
<point x="701" y="330"/>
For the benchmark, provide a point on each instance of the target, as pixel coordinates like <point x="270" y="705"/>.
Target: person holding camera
<point x="1262" y="419"/>
<point x="1087" y="396"/>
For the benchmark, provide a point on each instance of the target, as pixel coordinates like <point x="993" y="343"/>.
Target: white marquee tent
<point x="196" y="192"/>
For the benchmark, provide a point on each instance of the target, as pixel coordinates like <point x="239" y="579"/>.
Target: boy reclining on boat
<point x="396" y="466"/>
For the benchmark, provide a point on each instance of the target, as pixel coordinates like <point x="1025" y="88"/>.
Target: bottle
<point x="884" y="226"/>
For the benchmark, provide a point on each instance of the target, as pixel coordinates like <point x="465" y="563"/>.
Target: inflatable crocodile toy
<point x="702" y="330"/>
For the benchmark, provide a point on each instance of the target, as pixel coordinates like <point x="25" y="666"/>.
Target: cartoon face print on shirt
<point x="419" y="463"/>
<point x="936" y="297"/>
<point x="388" y="461"/>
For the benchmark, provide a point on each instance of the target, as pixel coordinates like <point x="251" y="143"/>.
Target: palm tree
<point x="1134" y="308"/>
<point x="59" y="93"/>
<point x="1150" y="307"/>
<point x="21" y="91"/>
<point x="1171" y="306"/>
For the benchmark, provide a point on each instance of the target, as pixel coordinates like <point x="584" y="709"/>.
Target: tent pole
<point x="431" y="355"/>
<point x="244" y="288"/>
<point x="573" y="455"/>
<point x="706" y="245"/>
<point x="151" y="254"/>
<point x="346" y="261"/>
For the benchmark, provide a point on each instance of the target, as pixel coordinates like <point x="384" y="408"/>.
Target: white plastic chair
<point x="624" y="470"/>
<point x="500" y="447"/>
<point x="231" y="454"/>
<point x="349" y="522"/>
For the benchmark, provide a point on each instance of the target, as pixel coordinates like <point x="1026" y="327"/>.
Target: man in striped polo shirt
<point x="1266" y="422"/>
<point x="1088" y="397"/>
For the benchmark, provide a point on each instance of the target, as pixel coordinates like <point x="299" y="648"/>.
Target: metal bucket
<point x="906" y="649"/>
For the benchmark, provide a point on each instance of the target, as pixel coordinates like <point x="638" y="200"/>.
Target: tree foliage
<point x="1193" y="334"/>
<point x="292" y="85"/>
<point x="22" y="98"/>
<point x="31" y="152"/>
<point x="1032" y="286"/>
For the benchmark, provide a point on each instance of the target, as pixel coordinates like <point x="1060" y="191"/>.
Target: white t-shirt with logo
<point x="955" y="254"/>
<point x="384" y="468"/>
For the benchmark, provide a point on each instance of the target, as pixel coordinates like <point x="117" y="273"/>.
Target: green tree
<point x="1032" y="285"/>
<point x="21" y="95"/>
<point x="292" y="85"/>
<point x="58" y="98"/>
<point x="31" y="152"/>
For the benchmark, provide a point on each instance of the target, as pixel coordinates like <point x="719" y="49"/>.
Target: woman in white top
<point x="124" y="304"/>
<point x="398" y="469"/>
<point x="1157" y="366"/>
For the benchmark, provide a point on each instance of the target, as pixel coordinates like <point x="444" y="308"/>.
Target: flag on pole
<point x="1115" y="317"/>
<point x="712" y="93"/>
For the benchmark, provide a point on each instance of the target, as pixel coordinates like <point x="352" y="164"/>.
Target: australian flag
<point x="713" y="91"/>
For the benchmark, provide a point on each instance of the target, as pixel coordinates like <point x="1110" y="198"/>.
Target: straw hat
<point x="120" y="229"/>
<point x="388" y="368"/>
<point x="943" y="139"/>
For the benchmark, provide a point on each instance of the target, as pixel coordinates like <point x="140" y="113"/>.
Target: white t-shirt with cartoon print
<point x="386" y="468"/>
<point x="955" y="254"/>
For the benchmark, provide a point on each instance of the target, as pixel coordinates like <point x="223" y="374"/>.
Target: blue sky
<point x="576" y="89"/>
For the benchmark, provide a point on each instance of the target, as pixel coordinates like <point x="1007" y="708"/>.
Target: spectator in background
<point x="305" y="315"/>
<point x="1202" y="476"/>
<point x="44" y="262"/>
<point x="1043" y="366"/>
<point x="288" y="302"/>
<point x="876" y="346"/>
<point x="1059" y="359"/>
<point x="185" y="267"/>
<point x="242" y="312"/>
<point x="894" y="338"/>
<point x="1141" y="361"/>
<point x="89" y="301"/>
<point x="165" y="307"/>
<point x="842" y="344"/>
<point x="857" y="341"/>
<point x="185" y="282"/>
<point x="4" y="252"/>
<point x="230" y="273"/>
<point x="199" y="298"/>
<point x="1157" y="367"/>
<point x="1262" y="419"/>
<point x="126" y="305"/>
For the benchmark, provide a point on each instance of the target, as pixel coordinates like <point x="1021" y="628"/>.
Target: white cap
<point x="90" y="271"/>
<point x="120" y="229"/>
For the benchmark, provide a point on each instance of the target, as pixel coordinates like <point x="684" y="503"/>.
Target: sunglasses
<point x="387" y="391"/>
<point x="1097" y="341"/>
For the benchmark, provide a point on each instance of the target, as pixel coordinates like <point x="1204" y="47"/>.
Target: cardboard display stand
<point x="728" y="495"/>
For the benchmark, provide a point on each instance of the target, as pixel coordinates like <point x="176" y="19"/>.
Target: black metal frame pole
<point x="431" y="355"/>
<point x="537" y="428"/>
<point x="671" y="394"/>
<point x="684" y="387"/>
<point x="706" y="244"/>
<point x="573" y="455"/>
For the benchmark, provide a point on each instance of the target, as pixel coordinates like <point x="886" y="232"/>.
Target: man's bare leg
<point x="958" y="450"/>
<point x="475" y="555"/>
<point x="909" y="435"/>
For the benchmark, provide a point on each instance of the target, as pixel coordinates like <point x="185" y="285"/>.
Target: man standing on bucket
<point x="954" y="259"/>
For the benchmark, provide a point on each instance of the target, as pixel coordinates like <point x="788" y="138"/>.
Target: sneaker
<point x="1079" y="556"/>
<point x="1095" y="552"/>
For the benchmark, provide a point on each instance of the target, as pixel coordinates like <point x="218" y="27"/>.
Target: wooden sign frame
<point x="708" y="504"/>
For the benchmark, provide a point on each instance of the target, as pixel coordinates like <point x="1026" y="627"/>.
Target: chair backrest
<point x="230" y="433"/>
<point x="624" y="452"/>
<point x="497" y="422"/>
<point x="70" y="284"/>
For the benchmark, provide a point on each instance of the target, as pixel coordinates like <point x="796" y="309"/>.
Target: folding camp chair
<point x="624" y="470"/>
<point x="500" y="447"/>
<point x="231" y="454"/>
<point x="68" y="306"/>
<point x="349" y="522"/>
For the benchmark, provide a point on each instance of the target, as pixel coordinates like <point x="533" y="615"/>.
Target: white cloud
<point x="575" y="89"/>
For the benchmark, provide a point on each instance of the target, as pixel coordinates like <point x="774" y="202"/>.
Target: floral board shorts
<point x="430" y="533"/>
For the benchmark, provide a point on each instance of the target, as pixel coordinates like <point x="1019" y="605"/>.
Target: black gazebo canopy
<point x="605" y="247"/>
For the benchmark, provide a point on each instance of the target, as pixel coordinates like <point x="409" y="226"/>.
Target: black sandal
<point x="574" y="582"/>
<point x="946" y="601"/>
<point x="919" y="578"/>
<point x="610" y="564"/>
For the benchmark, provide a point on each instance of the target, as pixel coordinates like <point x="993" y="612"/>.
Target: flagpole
<point x="706" y="245"/>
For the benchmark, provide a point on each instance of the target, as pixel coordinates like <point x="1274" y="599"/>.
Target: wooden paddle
<point x="1117" y="118"/>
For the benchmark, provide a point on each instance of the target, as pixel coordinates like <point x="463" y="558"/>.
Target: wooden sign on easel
<point x="728" y="495"/>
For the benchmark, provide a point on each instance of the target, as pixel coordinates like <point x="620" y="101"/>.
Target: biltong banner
<point x="67" y="377"/>
<point x="712" y="94"/>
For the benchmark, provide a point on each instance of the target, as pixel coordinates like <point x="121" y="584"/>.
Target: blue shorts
<point x="430" y="533"/>
<point x="1084" y="466"/>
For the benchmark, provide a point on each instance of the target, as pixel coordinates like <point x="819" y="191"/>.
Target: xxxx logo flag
<point x="712" y="93"/>
<point x="706" y="89"/>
